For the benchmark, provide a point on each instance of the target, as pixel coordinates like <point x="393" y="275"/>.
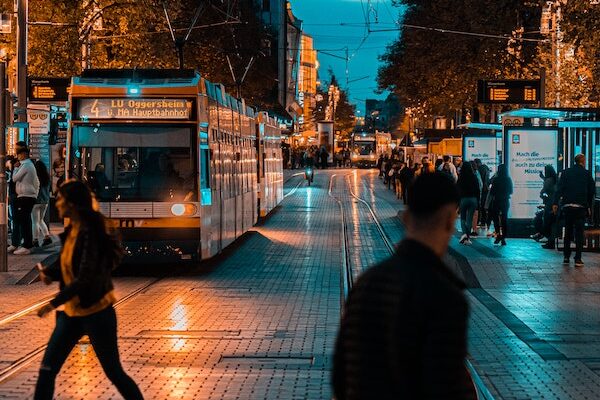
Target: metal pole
<point x="22" y="59"/>
<point x="3" y="188"/>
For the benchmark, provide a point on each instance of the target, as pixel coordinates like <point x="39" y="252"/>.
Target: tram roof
<point x="138" y="76"/>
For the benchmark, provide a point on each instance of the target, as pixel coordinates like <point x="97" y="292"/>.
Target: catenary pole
<point x="3" y="183"/>
<point x="22" y="6"/>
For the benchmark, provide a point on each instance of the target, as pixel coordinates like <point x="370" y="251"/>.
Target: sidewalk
<point x="534" y="329"/>
<point x="18" y="266"/>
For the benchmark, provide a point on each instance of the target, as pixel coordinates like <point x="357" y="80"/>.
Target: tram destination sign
<point x="115" y="108"/>
<point x="511" y="91"/>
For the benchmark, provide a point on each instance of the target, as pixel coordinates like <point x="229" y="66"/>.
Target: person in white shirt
<point x="27" y="187"/>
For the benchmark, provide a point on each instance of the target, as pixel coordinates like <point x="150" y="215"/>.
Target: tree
<point x="135" y="34"/>
<point x="436" y="72"/>
<point x="344" y="110"/>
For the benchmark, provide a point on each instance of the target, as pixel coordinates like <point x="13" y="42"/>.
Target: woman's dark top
<point x="468" y="185"/>
<point x="549" y="190"/>
<point x="92" y="265"/>
<point x="502" y="189"/>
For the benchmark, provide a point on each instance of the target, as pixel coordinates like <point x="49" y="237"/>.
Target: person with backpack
<point x="448" y="168"/>
<point x="470" y="192"/>
<point x="89" y="254"/>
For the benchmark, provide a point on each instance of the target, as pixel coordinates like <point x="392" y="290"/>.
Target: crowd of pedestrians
<point x="316" y="156"/>
<point x="28" y="198"/>
<point x="484" y="199"/>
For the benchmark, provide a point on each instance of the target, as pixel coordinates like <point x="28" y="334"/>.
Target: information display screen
<point x="528" y="152"/>
<point x="483" y="147"/>
<point x="178" y="109"/>
<point x="509" y="91"/>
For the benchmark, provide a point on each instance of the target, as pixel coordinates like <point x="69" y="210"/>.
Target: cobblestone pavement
<point x="535" y="324"/>
<point x="260" y="323"/>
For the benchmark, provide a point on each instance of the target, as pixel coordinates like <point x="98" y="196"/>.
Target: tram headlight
<point x="181" y="210"/>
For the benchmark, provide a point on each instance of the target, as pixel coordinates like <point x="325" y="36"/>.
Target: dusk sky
<point x="322" y="18"/>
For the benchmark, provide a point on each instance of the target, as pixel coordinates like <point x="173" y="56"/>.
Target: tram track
<point x="27" y="359"/>
<point x="31" y="356"/>
<point x="483" y="392"/>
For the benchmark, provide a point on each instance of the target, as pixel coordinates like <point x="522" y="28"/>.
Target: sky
<point x="321" y="19"/>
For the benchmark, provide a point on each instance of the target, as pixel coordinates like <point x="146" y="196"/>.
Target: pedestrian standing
<point x="407" y="175"/>
<point x="41" y="233"/>
<point x="501" y="190"/>
<point x="88" y="255"/>
<point x="547" y="194"/>
<point x="474" y="230"/>
<point x="403" y="334"/>
<point x="379" y="164"/>
<point x="12" y="193"/>
<point x="398" y="180"/>
<point x="448" y="168"/>
<point x="575" y="194"/>
<point x="484" y="173"/>
<point x="469" y="189"/>
<point x="27" y="186"/>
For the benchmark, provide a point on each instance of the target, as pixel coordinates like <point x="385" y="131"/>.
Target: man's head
<point x="580" y="159"/>
<point x="22" y="153"/>
<point x="425" y="160"/>
<point x="457" y="160"/>
<point x="446" y="159"/>
<point x="477" y="162"/>
<point x="431" y="213"/>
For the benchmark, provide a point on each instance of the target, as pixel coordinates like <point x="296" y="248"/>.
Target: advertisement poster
<point x="529" y="151"/>
<point x="484" y="148"/>
<point x="39" y="127"/>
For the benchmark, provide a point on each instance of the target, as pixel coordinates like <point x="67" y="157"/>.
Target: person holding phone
<point x="88" y="255"/>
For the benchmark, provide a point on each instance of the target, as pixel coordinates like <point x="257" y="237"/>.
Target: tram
<point x="178" y="165"/>
<point x="367" y="146"/>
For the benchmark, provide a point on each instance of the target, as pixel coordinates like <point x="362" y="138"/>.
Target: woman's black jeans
<point x="501" y="218"/>
<point x="101" y="328"/>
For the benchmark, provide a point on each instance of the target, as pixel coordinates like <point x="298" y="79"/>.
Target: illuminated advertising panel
<point x="528" y="152"/>
<point x="484" y="148"/>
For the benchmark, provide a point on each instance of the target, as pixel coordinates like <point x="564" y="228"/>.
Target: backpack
<point x="446" y="169"/>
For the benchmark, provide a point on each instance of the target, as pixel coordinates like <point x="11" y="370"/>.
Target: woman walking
<point x="501" y="191"/>
<point x="41" y="234"/>
<point x="88" y="255"/>
<point x="470" y="191"/>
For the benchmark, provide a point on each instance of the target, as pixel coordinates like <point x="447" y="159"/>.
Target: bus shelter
<point x="537" y="137"/>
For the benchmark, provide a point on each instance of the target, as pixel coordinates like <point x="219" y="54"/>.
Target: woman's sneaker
<point x="463" y="239"/>
<point x="578" y="263"/>
<point x="11" y="248"/>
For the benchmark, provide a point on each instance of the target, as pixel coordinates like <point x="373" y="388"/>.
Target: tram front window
<point x="365" y="148"/>
<point x="136" y="173"/>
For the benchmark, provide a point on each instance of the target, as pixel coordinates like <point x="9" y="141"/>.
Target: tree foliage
<point x="437" y="72"/>
<point x="344" y="111"/>
<point x="135" y="33"/>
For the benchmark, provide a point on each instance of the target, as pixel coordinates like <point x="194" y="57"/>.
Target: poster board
<point x="483" y="147"/>
<point x="528" y="151"/>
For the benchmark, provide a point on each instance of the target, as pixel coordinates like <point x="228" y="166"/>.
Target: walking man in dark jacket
<point x="404" y="330"/>
<point x="575" y="194"/>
